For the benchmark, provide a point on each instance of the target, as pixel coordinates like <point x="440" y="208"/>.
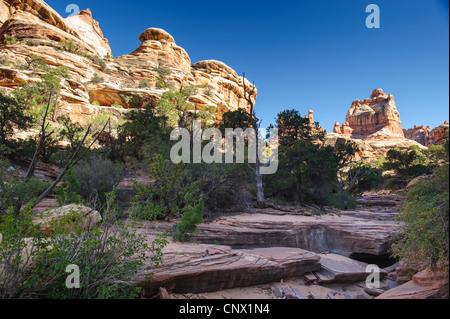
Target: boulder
<point x="419" y="180"/>
<point x="88" y="217"/>
<point x="339" y="269"/>
<point x="425" y="285"/>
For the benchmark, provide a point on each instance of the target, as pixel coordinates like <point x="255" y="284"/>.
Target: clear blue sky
<point x="309" y="54"/>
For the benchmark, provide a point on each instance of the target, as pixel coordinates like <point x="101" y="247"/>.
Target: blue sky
<point x="309" y="54"/>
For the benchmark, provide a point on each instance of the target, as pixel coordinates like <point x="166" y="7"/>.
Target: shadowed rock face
<point x="420" y="134"/>
<point x="345" y="235"/>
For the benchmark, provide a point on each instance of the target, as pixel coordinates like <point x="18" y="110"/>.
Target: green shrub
<point x="110" y="257"/>
<point x="192" y="216"/>
<point x="69" y="192"/>
<point x="10" y="39"/>
<point x="96" y="103"/>
<point x="5" y="62"/>
<point x="117" y="104"/>
<point x="97" y="79"/>
<point x="340" y="200"/>
<point x="363" y="177"/>
<point x="169" y="194"/>
<point x="32" y="43"/>
<point x="94" y="59"/>
<point x="424" y="237"/>
<point x="15" y="192"/>
<point x="161" y="80"/>
<point x="96" y="177"/>
<point x="69" y="46"/>
<point x="143" y="84"/>
<point x="208" y="92"/>
<point x="223" y="186"/>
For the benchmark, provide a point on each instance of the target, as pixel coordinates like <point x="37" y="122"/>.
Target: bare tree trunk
<point x="73" y="161"/>
<point x="40" y="145"/>
<point x="260" y="197"/>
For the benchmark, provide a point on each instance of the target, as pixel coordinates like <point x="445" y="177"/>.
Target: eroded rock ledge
<point x="191" y="268"/>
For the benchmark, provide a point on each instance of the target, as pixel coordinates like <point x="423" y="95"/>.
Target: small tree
<point x="12" y="112"/>
<point x="161" y="80"/>
<point x="169" y="195"/>
<point x="424" y="218"/>
<point x="411" y="163"/>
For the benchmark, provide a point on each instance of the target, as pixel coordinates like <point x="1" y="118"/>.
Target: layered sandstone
<point x="192" y="268"/>
<point x="440" y="132"/>
<point x="420" y="134"/>
<point x="41" y="31"/>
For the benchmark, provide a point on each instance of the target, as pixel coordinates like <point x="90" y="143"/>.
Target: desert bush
<point x="12" y="111"/>
<point x="192" y="216"/>
<point x="69" y="192"/>
<point x="341" y="200"/>
<point x="5" y="62"/>
<point x="97" y="79"/>
<point x="117" y="104"/>
<point x="143" y="84"/>
<point x="223" y="187"/>
<point x="13" y="191"/>
<point x="68" y="46"/>
<point x="169" y="194"/>
<point x="143" y="127"/>
<point x="96" y="177"/>
<point x="409" y="164"/>
<point x="362" y="177"/>
<point x="161" y="80"/>
<point x="10" y="39"/>
<point x="110" y="257"/>
<point x="424" y="222"/>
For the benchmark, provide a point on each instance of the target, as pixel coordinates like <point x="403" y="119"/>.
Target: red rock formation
<point x="421" y="134"/>
<point x="90" y="32"/>
<point x="39" y="30"/>
<point x="439" y="132"/>
<point x="375" y="118"/>
<point x="159" y="47"/>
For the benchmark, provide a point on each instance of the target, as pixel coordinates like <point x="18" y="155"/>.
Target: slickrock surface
<point x="192" y="268"/>
<point x="344" y="235"/>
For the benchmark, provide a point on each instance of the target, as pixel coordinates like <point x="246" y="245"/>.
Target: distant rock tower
<point x="376" y="118"/>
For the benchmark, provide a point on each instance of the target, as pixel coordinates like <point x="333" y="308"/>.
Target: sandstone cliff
<point x="78" y="44"/>
<point x="420" y="134"/>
